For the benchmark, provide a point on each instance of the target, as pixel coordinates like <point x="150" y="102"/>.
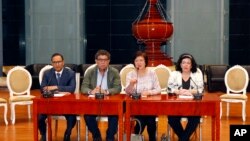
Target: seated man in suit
<point x="59" y="79"/>
<point x="101" y="79"/>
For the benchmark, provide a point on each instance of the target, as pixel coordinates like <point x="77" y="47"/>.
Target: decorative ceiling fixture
<point x="152" y="28"/>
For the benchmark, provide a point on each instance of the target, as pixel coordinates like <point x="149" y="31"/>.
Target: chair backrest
<point x="236" y="79"/>
<point x="47" y="67"/>
<point x="201" y="72"/>
<point x="123" y="73"/>
<point x="91" y="66"/>
<point x="19" y="81"/>
<point x="163" y="73"/>
<point x="77" y="89"/>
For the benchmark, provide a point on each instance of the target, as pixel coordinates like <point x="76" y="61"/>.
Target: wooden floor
<point x="23" y="128"/>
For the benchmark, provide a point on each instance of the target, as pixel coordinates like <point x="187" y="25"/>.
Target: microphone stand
<point x="47" y="93"/>
<point x="197" y="96"/>
<point x="136" y="95"/>
<point x="100" y="95"/>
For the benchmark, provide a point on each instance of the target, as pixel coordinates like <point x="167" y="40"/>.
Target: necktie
<point x="58" y="77"/>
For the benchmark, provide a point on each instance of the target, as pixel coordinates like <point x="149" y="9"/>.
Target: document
<point x="186" y="96"/>
<point x="60" y="94"/>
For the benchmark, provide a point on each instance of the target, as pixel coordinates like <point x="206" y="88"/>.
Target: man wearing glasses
<point x="59" y="79"/>
<point x="106" y="80"/>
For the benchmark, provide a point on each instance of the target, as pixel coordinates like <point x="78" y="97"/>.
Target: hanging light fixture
<point x="152" y="28"/>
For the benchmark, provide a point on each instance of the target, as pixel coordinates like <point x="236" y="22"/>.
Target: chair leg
<point x="56" y="127"/>
<point x="220" y="110"/>
<point x="78" y="130"/>
<point x="29" y="116"/>
<point x="200" y="131"/>
<point x="13" y="116"/>
<point x="156" y="132"/>
<point x="169" y="133"/>
<point x="5" y="114"/>
<point x="228" y="109"/>
<point x="86" y="133"/>
<point x="244" y="111"/>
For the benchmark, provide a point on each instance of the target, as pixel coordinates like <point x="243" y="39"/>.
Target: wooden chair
<point x="163" y="73"/>
<point x="123" y="73"/>
<point x="236" y="81"/>
<point x="19" y="83"/>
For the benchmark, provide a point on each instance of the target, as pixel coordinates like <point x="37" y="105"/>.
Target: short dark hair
<point x="56" y="54"/>
<point x="102" y="52"/>
<point x="142" y="54"/>
<point x="183" y="56"/>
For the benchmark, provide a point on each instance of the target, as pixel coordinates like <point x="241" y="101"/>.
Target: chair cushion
<point x="19" y="81"/>
<point x="3" y="100"/>
<point x="236" y="79"/>
<point x="233" y="96"/>
<point x="24" y="98"/>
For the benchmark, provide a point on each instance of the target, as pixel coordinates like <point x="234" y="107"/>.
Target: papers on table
<point x="91" y="95"/>
<point x="186" y="96"/>
<point x="60" y="94"/>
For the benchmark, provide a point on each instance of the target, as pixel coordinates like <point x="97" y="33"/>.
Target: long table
<point x="172" y="105"/>
<point x="113" y="105"/>
<point x="78" y="104"/>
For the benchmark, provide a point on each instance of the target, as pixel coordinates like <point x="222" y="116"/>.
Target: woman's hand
<point x="184" y="92"/>
<point x="133" y="82"/>
<point x="145" y="93"/>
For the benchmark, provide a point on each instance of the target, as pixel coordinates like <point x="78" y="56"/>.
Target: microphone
<point x="136" y="95"/>
<point x="100" y="95"/>
<point x="46" y="93"/>
<point x="170" y="93"/>
<point x="197" y="96"/>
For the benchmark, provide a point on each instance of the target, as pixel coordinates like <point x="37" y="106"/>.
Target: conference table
<point x="118" y="104"/>
<point x="173" y="105"/>
<point x="78" y="104"/>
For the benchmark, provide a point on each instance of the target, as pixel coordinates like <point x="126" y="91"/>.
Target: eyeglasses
<point x="102" y="60"/>
<point x="57" y="62"/>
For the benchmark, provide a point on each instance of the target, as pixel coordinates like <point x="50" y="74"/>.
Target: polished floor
<point x="22" y="130"/>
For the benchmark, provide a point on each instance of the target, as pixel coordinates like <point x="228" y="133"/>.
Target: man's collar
<point x="59" y="72"/>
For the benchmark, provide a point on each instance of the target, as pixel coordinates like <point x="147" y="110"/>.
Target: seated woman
<point x="145" y="82"/>
<point x="186" y="80"/>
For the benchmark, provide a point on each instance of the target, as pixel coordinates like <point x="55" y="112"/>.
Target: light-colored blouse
<point x="175" y="81"/>
<point x="148" y="82"/>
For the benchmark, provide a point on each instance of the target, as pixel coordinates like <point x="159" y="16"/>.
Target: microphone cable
<point x="136" y="95"/>
<point x="99" y="110"/>
<point x="136" y="90"/>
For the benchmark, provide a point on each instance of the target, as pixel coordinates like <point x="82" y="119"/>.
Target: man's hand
<point x="95" y="90"/>
<point x="99" y="90"/>
<point x="50" y="88"/>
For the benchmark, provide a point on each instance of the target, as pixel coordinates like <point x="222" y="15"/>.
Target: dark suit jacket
<point x="67" y="82"/>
